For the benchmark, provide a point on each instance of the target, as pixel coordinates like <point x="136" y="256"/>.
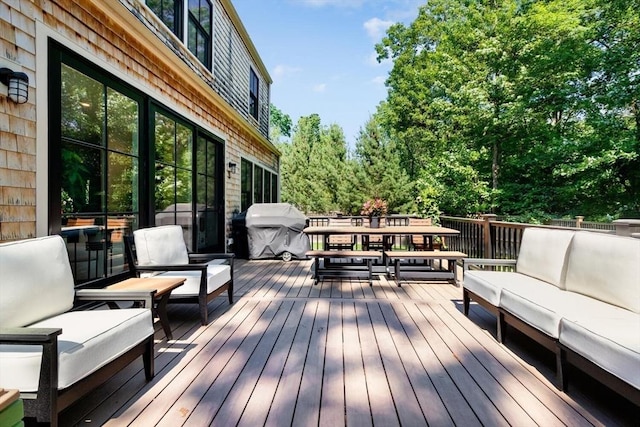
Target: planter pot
<point x="374" y="222"/>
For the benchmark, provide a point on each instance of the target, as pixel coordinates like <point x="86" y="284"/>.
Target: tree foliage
<point x="518" y="106"/>
<point x="524" y="108"/>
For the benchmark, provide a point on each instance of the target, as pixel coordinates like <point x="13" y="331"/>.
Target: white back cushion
<point x="36" y="281"/>
<point x="162" y="245"/>
<point x="605" y="267"/>
<point x="543" y="254"/>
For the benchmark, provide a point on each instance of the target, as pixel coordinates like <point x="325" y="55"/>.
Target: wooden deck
<point x="342" y="353"/>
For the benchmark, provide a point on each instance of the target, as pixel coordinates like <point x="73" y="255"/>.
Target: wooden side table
<point x="163" y="287"/>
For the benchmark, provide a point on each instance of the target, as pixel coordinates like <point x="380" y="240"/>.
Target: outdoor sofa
<point x="51" y="353"/>
<point x="575" y="292"/>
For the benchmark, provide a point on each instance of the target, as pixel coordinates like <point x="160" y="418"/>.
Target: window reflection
<point x="99" y="173"/>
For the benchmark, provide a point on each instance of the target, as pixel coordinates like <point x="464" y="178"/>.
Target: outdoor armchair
<point x="161" y="252"/>
<point x="51" y="353"/>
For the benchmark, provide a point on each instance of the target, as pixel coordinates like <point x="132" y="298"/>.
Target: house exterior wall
<point x="127" y="40"/>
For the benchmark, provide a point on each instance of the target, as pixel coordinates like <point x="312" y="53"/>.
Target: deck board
<point x="341" y="353"/>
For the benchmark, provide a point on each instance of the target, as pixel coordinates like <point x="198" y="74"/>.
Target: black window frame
<point x="196" y="23"/>
<point x="248" y="193"/>
<point x="161" y="9"/>
<point x="254" y="94"/>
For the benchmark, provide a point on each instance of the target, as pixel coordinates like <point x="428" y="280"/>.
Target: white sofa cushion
<point x="605" y="267"/>
<point x="489" y="284"/>
<point x="36" y="281"/>
<point x="610" y="340"/>
<point x="89" y="340"/>
<point x="162" y="245"/>
<point x="217" y="275"/>
<point x="538" y="304"/>
<point x="543" y="254"/>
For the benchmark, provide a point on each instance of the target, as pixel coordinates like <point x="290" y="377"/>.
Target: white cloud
<point x="376" y="27"/>
<point x="320" y="87"/>
<point x="379" y="80"/>
<point x="282" y="70"/>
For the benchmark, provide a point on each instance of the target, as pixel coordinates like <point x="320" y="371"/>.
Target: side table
<point x="163" y="287"/>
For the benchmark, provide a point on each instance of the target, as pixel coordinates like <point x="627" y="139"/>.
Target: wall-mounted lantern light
<point x="17" y="85"/>
<point x="232" y="168"/>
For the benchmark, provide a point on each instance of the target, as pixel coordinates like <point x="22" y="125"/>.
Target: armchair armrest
<point x="146" y="297"/>
<point x="209" y="257"/>
<point x="35" y="336"/>
<point x="175" y="267"/>
<point x="469" y="262"/>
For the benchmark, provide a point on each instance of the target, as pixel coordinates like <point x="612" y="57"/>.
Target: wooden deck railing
<point x="485" y="237"/>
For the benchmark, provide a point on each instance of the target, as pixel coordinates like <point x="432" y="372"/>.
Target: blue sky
<point x="321" y="54"/>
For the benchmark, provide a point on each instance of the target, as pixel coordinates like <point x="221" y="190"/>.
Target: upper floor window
<point x="169" y="12"/>
<point x="199" y="22"/>
<point x="199" y="30"/>
<point x="254" y="83"/>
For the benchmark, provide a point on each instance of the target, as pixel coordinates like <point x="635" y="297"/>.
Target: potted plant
<point x="374" y="209"/>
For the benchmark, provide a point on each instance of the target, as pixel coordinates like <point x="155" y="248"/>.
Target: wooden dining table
<point x="427" y="231"/>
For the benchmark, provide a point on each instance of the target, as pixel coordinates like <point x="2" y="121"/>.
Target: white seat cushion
<point x="489" y="284"/>
<point x="35" y="280"/>
<point x="538" y="304"/>
<point x="605" y="267"/>
<point x="162" y="245"/>
<point x="610" y="339"/>
<point x="543" y="254"/>
<point x="217" y="275"/>
<point x="89" y="340"/>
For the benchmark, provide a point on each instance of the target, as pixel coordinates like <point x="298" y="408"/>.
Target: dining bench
<point x="452" y="257"/>
<point x="361" y="262"/>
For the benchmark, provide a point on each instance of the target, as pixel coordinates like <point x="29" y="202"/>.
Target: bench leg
<point x="396" y="270"/>
<point x="370" y="267"/>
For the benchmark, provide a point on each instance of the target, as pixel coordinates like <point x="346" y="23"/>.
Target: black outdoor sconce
<point x="17" y="84"/>
<point x="232" y="168"/>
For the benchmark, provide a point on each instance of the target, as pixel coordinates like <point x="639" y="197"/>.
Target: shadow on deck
<point x="343" y="353"/>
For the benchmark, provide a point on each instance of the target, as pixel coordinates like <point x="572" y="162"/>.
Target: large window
<point x="199" y="23"/>
<point x="97" y="161"/>
<point x="258" y="185"/>
<point x="209" y="201"/>
<point x="246" y="192"/>
<point x="254" y="85"/>
<point x="173" y="193"/>
<point x="106" y="180"/>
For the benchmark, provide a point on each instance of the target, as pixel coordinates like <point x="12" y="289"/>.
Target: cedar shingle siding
<point x="125" y="39"/>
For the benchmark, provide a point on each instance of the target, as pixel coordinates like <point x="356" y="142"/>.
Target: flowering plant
<point x="374" y="207"/>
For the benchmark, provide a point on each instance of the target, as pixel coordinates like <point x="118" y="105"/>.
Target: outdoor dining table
<point x="427" y="231"/>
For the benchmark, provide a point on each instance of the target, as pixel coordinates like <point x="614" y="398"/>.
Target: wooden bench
<point x="450" y="256"/>
<point x="345" y="269"/>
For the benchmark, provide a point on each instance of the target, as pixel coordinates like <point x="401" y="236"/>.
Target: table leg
<point x="370" y="266"/>
<point x="161" y="311"/>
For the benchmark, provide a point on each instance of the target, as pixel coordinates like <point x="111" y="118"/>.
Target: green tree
<point x="379" y="161"/>
<point x="313" y="166"/>
<point x="280" y="124"/>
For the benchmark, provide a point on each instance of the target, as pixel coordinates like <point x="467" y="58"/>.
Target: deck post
<point x="486" y="234"/>
<point x="627" y="227"/>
